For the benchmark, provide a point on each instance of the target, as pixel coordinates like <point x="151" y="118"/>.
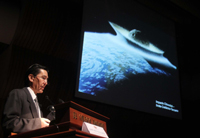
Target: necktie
<point x="37" y="106"/>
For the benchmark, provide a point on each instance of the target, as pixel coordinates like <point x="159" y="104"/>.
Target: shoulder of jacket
<point x="19" y="91"/>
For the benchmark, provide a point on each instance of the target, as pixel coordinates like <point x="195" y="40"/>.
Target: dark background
<point x="48" y="32"/>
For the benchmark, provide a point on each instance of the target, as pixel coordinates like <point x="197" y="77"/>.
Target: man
<point x="21" y="112"/>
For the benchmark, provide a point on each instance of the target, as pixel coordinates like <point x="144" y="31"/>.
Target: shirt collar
<point x="33" y="95"/>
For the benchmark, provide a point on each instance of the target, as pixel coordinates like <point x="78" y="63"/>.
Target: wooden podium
<point x="69" y="119"/>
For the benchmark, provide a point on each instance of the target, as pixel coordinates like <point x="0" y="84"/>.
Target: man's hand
<point x="44" y="122"/>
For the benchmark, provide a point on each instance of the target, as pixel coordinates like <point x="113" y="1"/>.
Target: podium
<point x="69" y="119"/>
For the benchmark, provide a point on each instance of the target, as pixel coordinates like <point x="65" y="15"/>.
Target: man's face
<point x="39" y="82"/>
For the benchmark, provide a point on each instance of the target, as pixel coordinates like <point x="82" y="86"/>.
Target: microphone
<point x="51" y="108"/>
<point x="60" y="101"/>
<point x="47" y="97"/>
<point x="51" y="115"/>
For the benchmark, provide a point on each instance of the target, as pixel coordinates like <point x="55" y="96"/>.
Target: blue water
<point x="108" y="59"/>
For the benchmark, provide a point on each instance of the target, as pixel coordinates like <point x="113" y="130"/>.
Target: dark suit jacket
<point x="20" y="113"/>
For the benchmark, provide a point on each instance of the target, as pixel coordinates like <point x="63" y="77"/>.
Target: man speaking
<point x="22" y="112"/>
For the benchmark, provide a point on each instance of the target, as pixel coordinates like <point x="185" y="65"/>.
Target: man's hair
<point x="35" y="70"/>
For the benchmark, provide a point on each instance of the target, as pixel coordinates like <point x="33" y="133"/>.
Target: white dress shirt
<point x="34" y="97"/>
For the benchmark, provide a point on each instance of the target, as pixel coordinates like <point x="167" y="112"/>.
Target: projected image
<point x="108" y="58"/>
<point x="128" y="58"/>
